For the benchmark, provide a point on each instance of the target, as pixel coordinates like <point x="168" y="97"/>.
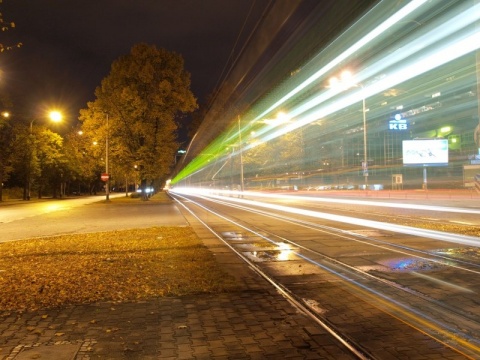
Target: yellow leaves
<point x="114" y="266"/>
<point x="34" y="330"/>
<point x="447" y="227"/>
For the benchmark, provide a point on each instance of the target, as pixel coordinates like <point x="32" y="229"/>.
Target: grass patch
<point x="468" y="230"/>
<point x="127" y="265"/>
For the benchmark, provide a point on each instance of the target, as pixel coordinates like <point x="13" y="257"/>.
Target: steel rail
<point x="349" y="344"/>
<point x="338" y="232"/>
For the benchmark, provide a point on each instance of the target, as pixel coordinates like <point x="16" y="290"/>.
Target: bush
<point x="13" y="193"/>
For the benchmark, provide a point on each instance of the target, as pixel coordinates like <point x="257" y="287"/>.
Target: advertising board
<point x="430" y="152"/>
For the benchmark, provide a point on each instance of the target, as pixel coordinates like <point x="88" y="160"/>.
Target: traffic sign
<point x="104" y="177"/>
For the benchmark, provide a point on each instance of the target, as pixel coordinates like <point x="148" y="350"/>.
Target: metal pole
<point x="365" y="155"/>
<point x="241" y="155"/>
<point x="30" y="158"/>
<point x="107" y="183"/>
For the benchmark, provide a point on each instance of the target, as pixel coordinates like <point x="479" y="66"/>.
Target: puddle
<point x="232" y="235"/>
<point x="411" y="264"/>
<point x="282" y="252"/>
<point x="267" y="255"/>
<point x="252" y="246"/>
<point x="368" y="268"/>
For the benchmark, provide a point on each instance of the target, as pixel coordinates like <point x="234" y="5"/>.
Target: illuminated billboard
<point x="431" y="152"/>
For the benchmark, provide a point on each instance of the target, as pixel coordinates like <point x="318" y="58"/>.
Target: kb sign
<point x="398" y="123"/>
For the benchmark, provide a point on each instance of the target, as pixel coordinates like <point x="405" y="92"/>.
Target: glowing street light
<point x="54" y="116"/>
<point x="346" y="81"/>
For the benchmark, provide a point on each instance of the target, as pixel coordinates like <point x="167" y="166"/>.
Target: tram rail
<point x="444" y="322"/>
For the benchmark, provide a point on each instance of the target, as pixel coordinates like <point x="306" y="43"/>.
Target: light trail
<point x="253" y="194"/>
<point x="449" y="51"/>
<point x="438" y="235"/>
<point x="378" y="31"/>
<point x="444" y="39"/>
<point x="345" y="234"/>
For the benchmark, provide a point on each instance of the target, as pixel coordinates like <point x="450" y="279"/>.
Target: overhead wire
<point x="224" y="74"/>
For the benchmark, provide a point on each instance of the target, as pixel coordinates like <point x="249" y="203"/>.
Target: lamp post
<point x="365" y="155"/>
<point x="345" y="80"/>
<point x="107" y="183"/>
<point x="241" y="155"/>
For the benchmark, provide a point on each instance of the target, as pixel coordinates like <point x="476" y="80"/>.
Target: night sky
<point x="69" y="46"/>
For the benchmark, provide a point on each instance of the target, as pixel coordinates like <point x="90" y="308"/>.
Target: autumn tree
<point x="38" y="159"/>
<point x="276" y="157"/>
<point x="51" y="164"/>
<point x="142" y="96"/>
<point x="21" y="155"/>
<point x="6" y="128"/>
<point x="84" y="162"/>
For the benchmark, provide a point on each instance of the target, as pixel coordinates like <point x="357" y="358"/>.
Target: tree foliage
<point x="50" y="161"/>
<point x="37" y="157"/>
<point x="4" y="26"/>
<point x="84" y="162"/>
<point x="278" y="156"/>
<point x="142" y="96"/>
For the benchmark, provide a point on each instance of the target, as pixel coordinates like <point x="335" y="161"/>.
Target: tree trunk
<point x="1" y="183"/>
<point x="143" y="186"/>
<point x="26" y="196"/>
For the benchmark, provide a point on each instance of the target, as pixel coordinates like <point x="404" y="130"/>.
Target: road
<point x="81" y="215"/>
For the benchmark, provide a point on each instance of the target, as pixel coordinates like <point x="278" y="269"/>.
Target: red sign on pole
<point x="104" y="177"/>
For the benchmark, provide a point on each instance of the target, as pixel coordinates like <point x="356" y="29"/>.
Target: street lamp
<point x="346" y="82"/>
<point x="107" y="183"/>
<point x="54" y="116"/>
<point x="241" y="155"/>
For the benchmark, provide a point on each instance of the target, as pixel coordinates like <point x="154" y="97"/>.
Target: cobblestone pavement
<point x="252" y="323"/>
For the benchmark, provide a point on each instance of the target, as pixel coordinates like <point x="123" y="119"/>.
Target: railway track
<point x="353" y="281"/>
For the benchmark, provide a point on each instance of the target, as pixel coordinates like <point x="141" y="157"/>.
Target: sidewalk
<point x="254" y="322"/>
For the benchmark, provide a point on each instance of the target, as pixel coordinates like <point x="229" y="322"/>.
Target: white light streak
<point x="438" y="235"/>
<point x="444" y="48"/>
<point x="441" y="282"/>
<point x="378" y="31"/>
